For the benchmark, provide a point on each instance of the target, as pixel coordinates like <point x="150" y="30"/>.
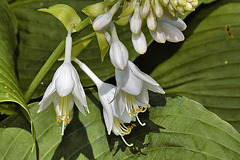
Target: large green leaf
<point x="177" y="128"/>
<point x="9" y="86"/>
<point x="206" y="68"/>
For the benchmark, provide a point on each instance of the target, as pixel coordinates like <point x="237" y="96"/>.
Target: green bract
<point x="65" y="14"/>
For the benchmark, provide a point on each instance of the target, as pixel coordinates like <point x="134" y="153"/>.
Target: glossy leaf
<point x="206" y="68"/>
<point x="177" y="128"/>
<point x="9" y="86"/>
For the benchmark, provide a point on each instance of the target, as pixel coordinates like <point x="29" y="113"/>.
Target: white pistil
<point x="129" y="145"/>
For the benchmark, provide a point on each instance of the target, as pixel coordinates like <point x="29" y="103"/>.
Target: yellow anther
<point x="62" y="134"/>
<point x="134" y="125"/>
<point x="67" y="120"/>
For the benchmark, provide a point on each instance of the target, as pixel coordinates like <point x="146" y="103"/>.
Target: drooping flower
<point x="169" y="30"/>
<point x="102" y="21"/>
<point x="118" y="52"/>
<point x="65" y="89"/>
<point x="132" y="90"/>
<point x="114" y="121"/>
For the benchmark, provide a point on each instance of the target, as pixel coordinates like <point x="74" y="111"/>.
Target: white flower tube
<point x="65" y="89"/>
<point x="102" y="21"/>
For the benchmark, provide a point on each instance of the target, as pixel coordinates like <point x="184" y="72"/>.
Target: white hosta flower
<point x="102" y="21"/>
<point x="132" y="90"/>
<point x="114" y="121"/>
<point x="136" y="21"/>
<point x="118" y="52"/>
<point x="139" y="42"/>
<point x="168" y="30"/>
<point x="65" y="89"/>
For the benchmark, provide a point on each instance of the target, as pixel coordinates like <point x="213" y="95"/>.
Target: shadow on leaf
<point x="139" y="133"/>
<point x="75" y="141"/>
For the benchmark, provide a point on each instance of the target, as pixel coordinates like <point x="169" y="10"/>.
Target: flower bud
<point x="136" y="21"/>
<point x="139" y="42"/>
<point x="102" y="21"/>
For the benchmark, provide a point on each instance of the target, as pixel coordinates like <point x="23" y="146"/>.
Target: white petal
<point x="106" y="93"/>
<point x="57" y="102"/>
<point x="71" y="102"/>
<point x="131" y="84"/>
<point x="102" y="21"/>
<point x="158" y="35"/>
<point x="50" y="89"/>
<point x="143" y="97"/>
<point x="125" y="117"/>
<point x="64" y="83"/>
<point x="173" y="34"/>
<point x="141" y="75"/>
<point x="121" y="103"/>
<point x="78" y="91"/>
<point x="108" y="119"/>
<point x="136" y="21"/>
<point x="179" y="23"/>
<point x="153" y="88"/>
<point x="118" y="55"/>
<point x="79" y="106"/>
<point x="139" y="42"/>
<point x="45" y="102"/>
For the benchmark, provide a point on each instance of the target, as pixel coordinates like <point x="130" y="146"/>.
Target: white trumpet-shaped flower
<point x="114" y="121"/>
<point x="65" y="89"/>
<point x="132" y="90"/>
<point x="118" y="52"/>
<point x="169" y="30"/>
<point x="139" y="42"/>
<point x="102" y="21"/>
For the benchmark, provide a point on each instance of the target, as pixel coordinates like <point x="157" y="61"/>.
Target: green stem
<point x="49" y="63"/>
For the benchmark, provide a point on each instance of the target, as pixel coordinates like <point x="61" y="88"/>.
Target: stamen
<point x="142" y="124"/>
<point x="129" y="145"/>
<point x="62" y="128"/>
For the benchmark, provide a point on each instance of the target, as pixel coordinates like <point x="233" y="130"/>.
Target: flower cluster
<point x="161" y="17"/>
<point x="121" y="103"/>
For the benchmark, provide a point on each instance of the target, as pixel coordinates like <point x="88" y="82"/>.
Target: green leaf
<point x="177" y="128"/>
<point x="16" y="141"/>
<point x="9" y="85"/>
<point x="206" y="68"/>
<point x="66" y="14"/>
<point x="102" y="43"/>
<point x="96" y="9"/>
<point x="39" y="35"/>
